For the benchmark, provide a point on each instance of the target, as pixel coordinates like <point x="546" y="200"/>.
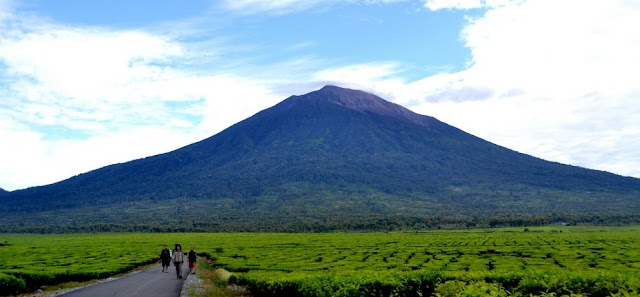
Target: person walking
<point x="165" y="257"/>
<point x="192" y="260"/>
<point x="178" y="258"/>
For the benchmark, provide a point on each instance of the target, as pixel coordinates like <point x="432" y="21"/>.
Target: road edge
<point x="192" y="283"/>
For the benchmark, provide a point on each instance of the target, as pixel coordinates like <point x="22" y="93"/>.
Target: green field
<point x="593" y="261"/>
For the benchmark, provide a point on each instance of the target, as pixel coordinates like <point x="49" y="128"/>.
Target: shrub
<point x="35" y="279"/>
<point x="11" y="285"/>
<point x="472" y="289"/>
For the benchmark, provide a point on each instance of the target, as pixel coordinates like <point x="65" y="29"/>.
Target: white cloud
<point x="30" y="158"/>
<point x="560" y="79"/>
<point x="450" y="4"/>
<point x="88" y="64"/>
<point x="279" y="7"/>
<point x="465" y="4"/>
<point x="532" y="45"/>
<point x="76" y="99"/>
<point x="275" y="7"/>
<point x="361" y="76"/>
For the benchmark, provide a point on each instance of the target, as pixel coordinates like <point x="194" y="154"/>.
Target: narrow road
<point x="147" y="283"/>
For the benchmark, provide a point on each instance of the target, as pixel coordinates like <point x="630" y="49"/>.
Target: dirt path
<point x="147" y="283"/>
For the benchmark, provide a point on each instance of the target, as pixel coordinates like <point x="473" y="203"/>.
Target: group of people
<point x="177" y="257"/>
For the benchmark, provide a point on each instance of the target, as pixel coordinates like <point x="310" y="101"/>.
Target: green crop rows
<point x="594" y="261"/>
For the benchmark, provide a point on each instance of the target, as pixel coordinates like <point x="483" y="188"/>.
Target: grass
<point x="216" y="282"/>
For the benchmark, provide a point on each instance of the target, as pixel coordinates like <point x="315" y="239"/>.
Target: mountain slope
<point x="336" y="152"/>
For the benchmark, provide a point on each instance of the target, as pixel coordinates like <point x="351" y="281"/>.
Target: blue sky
<point x="344" y="33"/>
<point x="84" y="84"/>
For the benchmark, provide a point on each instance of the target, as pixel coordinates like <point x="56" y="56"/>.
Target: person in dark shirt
<point x="165" y="256"/>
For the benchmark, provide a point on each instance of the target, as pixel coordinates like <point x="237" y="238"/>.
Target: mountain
<point x="328" y="159"/>
<point x="3" y="192"/>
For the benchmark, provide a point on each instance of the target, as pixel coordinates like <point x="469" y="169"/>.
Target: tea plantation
<point x="546" y="261"/>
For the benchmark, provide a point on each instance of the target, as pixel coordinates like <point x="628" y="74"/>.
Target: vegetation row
<point x="437" y="283"/>
<point x="592" y="261"/>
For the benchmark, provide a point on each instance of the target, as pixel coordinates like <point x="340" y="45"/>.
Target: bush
<point x="35" y="279"/>
<point x="343" y="284"/>
<point x="11" y="285"/>
<point x="594" y="285"/>
<point x="472" y="289"/>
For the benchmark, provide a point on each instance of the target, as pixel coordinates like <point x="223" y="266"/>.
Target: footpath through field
<point x="147" y="283"/>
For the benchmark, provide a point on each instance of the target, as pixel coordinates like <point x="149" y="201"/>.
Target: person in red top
<point x="192" y="261"/>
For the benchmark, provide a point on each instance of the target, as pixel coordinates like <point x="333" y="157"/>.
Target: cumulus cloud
<point x="560" y="79"/>
<point x="75" y="99"/>
<point x="31" y="157"/>
<point x="87" y="75"/>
